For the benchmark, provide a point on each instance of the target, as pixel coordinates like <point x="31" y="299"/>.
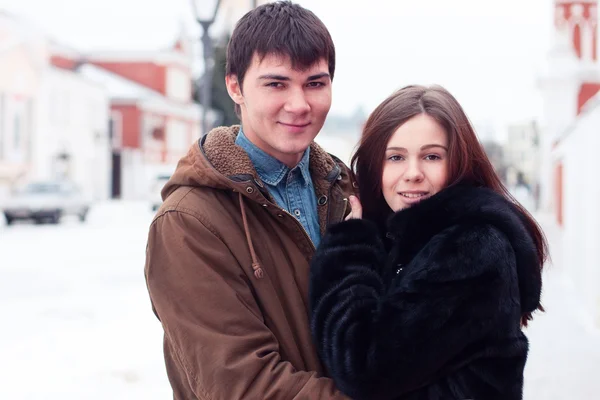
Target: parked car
<point x="155" y="190"/>
<point x="46" y="201"/>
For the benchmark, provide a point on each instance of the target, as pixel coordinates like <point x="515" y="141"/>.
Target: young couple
<point x="279" y="273"/>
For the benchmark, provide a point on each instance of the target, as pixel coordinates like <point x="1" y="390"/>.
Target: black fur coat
<point x="433" y="310"/>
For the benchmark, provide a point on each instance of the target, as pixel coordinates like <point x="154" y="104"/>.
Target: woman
<point x="425" y="296"/>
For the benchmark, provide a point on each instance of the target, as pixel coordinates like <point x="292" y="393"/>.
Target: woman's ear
<point x="234" y="89"/>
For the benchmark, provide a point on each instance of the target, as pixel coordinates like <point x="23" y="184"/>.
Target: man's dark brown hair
<point x="280" y="28"/>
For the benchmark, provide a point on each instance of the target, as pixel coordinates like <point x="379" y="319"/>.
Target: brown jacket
<point x="227" y="272"/>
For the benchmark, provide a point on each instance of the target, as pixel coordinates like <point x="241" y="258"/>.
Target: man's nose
<point x="297" y="102"/>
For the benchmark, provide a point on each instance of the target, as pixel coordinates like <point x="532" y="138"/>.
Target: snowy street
<point x="77" y="322"/>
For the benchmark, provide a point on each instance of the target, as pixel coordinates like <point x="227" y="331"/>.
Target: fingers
<point x="355" y="207"/>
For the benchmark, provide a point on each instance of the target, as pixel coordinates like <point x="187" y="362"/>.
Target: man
<point x="229" y="250"/>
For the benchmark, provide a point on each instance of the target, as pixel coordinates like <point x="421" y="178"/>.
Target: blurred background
<point x="99" y="99"/>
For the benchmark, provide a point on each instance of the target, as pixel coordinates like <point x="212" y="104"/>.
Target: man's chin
<point x="296" y="144"/>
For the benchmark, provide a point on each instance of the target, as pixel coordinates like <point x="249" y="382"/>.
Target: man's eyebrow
<point x="274" y="77"/>
<point x="318" y="76"/>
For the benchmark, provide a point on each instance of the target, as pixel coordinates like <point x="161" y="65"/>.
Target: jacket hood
<point x="467" y="204"/>
<point x="215" y="161"/>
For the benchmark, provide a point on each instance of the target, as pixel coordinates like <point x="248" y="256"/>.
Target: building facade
<point x="153" y="119"/>
<point x="569" y="140"/>
<point x="53" y="123"/>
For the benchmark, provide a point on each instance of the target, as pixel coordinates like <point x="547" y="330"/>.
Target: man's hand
<point x="355" y="208"/>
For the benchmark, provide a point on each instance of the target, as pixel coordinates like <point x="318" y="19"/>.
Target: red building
<point x="153" y="118"/>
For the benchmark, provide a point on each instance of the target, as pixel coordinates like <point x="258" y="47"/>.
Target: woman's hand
<point x="355" y="208"/>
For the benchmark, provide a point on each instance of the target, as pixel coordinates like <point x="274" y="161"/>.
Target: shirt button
<point x="297" y="212"/>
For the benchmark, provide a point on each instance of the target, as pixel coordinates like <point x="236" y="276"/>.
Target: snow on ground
<point x="564" y="357"/>
<point x="77" y="322"/>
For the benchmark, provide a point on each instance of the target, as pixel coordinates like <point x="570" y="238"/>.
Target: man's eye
<point x="275" y="84"/>
<point x="316" y="84"/>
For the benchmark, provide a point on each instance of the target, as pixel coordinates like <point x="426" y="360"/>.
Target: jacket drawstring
<point x="258" y="272"/>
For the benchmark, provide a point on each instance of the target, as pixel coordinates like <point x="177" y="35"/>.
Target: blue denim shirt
<point x="292" y="189"/>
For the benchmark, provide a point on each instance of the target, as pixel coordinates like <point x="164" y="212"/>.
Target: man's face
<point x="282" y="109"/>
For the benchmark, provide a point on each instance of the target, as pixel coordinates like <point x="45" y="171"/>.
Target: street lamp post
<point x="205" y="15"/>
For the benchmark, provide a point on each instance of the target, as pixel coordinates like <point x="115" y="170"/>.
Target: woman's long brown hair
<point x="468" y="162"/>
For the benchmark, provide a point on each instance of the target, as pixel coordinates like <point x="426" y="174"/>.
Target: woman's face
<point x="416" y="162"/>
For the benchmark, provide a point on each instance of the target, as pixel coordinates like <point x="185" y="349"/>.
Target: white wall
<point x="139" y="175"/>
<point x="179" y="84"/>
<point x="73" y="117"/>
<point x="178" y="138"/>
<point x="23" y="55"/>
<point x="133" y="181"/>
<point x="560" y="110"/>
<point x="582" y="210"/>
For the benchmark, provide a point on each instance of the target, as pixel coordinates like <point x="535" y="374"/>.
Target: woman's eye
<point x="395" y="158"/>
<point x="432" y="157"/>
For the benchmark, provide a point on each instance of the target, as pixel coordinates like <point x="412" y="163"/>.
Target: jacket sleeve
<point x="212" y="322"/>
<point x="385" y="339"/>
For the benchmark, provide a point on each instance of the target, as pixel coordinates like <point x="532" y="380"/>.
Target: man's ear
<point x="234" y="89"/>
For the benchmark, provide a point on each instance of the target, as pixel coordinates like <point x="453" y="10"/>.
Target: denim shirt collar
<point x="269" y="169"/>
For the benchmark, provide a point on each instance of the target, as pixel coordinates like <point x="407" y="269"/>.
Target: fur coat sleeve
<point x="389" y="323"/>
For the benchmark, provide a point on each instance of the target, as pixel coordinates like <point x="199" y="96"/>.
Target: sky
<point x="487" y="53"/>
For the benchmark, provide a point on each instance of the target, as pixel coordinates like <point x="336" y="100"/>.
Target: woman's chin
<point x="404" y="205"/>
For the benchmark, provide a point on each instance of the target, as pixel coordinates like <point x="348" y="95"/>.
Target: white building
<point x="112" y="122"/>
<point x="522" y="153"/>
<point x="23" y="58"/>
<point x="72" y="141"/>
<point x="153" y="117"/>
<point x="53" y="123"/>
<point x="570" y="143"/>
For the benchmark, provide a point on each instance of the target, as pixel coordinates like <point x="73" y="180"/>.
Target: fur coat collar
<point x="413" y="227"/>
